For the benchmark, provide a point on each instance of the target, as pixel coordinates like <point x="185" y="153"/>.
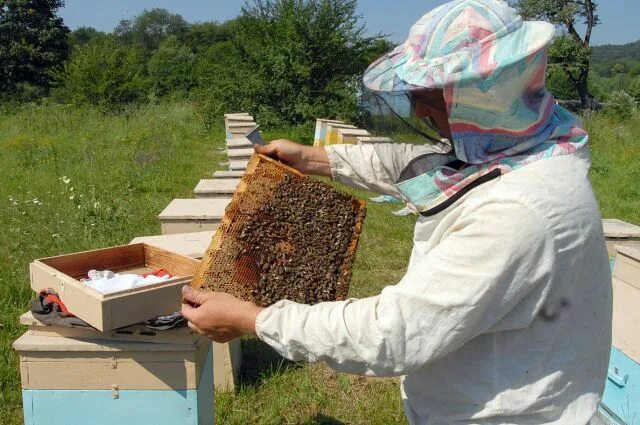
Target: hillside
<point x="612" y="52"/>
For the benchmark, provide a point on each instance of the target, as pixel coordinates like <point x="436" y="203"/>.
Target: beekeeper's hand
<point x="219" y="316"/>
<point x="306" y="159"/>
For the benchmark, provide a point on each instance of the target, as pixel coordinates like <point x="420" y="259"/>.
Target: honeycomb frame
<point x="226" y="267"/>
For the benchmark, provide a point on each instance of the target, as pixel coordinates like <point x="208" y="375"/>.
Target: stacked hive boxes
<point x="188" y="226"/>
<point x="114" y="371"/>
<point x="621" y="398"/>
<point x="332" y="132"/>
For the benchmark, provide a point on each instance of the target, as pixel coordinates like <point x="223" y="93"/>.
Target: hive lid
<point x="283" y="235"/>
<point x="189" y="209"/>
<point x="614" y="228"/>
<point x="33" y="343"/>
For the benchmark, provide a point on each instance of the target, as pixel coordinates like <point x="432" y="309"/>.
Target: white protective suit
<point x="504" y="314"/>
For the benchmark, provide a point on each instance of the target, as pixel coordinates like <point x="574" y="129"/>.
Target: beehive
<point x="284" y="236"/>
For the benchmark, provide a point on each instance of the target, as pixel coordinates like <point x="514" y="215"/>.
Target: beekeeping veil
<point x="490" y="68"/>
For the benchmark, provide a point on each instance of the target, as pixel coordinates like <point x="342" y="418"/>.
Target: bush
<point x="104" y="73"/>
<point x="620" y="105"/>
<point x="171" y="69"/>
<point x="290" y="61"/>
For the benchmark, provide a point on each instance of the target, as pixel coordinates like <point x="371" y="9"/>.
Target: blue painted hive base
<point x="123" y="407"/>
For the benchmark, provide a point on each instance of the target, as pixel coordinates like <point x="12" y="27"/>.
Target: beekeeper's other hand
<point x="306" y="159"/>
<point x="219" y="316"/>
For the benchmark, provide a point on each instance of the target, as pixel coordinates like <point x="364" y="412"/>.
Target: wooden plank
<point x="196" y="209"/>
<point x="172" y="227"/>
<point x="239" y="119"/>
<point x="619" y="229"/>
<point x="238" y="165"/>
<point x="627" y="269"/>
<point x="134" y="333"/>
<point x="364" y="140"/>
<point x="191" y="245"/>
<point x="630" y="250"/>
<point x="65" y="363"/>
<point x="78" y="264"/>
<point x="234" y="154"/>
<point x="116" y="407"/>
<point x="238" y="143"/>
<point x="331" y="137"/>
<point x="243" y="125"/>
<point x="350" y="136"/>
<point x="212" y="188"/>
<point x="236" y="114"/>
<point x="225" y="174"/>
<point x="227" y="363"/>
<point x="626" y="316"/>
<point x="321" y="131"/>
<point x="30" y="344"/>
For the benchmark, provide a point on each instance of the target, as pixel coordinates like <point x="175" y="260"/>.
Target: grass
<point x="77" y="179"/>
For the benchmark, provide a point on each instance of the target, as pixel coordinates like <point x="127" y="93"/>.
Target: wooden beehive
<point x="258" y="239"/>
<point x="73" y="381"/>
<point x="192" y="215"/>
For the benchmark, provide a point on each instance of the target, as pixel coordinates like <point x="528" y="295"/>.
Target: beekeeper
<point x="504" y="314"/>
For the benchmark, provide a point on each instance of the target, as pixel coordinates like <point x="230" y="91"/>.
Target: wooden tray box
<point x="119" y="309"/>
<point x="68" y="381"/>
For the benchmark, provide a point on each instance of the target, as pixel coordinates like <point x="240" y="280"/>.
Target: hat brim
<point x="396" y="71"/>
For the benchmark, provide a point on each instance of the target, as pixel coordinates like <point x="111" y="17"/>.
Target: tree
<point x="296" y="60"/>
<point x="83" y="35"/>
<point x="201" y="36"/>
<point x="571" y="51"/>
<point x="103" y="72"/>
<point x="171" y="69"/>
<point x="151" y="27"/>
<point x="33" y="40"/>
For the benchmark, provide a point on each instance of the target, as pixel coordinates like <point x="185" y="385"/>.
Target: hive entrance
<point x="284" y="236"/>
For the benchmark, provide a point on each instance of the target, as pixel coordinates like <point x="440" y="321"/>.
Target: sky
<point x="392" y="17"/>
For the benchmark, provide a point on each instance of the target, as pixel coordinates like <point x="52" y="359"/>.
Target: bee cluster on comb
<point x="284" y="236"/>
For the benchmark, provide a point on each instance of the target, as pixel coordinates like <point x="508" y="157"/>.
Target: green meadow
<point x="73" y="179"/>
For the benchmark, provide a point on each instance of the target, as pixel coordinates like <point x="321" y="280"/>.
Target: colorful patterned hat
<point x="490" y="66"/>
<point x="489" y="63"/>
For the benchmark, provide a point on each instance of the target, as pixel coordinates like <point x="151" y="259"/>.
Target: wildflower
<point x="56" y="235"/>
<point x="65" y="179"/>
<point x="71" y="197"/>
<point x="96" y="204"/>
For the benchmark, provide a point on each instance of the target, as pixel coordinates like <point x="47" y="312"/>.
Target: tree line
<point x="286" y="61"/>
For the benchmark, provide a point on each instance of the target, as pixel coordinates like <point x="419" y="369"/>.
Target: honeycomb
<point x="283" y="236"/>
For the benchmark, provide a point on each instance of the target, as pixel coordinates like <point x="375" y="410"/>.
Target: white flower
<point x="56" y="235"/>
<point x="65" y="179"/>
<point x="14" y="203"/>
<point x="71" y="197"/>
<point x="96" y="204"/>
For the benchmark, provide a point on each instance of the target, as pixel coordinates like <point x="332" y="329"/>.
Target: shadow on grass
<point x="321" y="419"/>
<point x="260" y="362"/>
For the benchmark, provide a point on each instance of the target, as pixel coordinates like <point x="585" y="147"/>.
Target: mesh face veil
<point x="397" y="115"/>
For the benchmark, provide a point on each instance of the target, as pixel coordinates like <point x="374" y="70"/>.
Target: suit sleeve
<point x="490" y="259"/>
